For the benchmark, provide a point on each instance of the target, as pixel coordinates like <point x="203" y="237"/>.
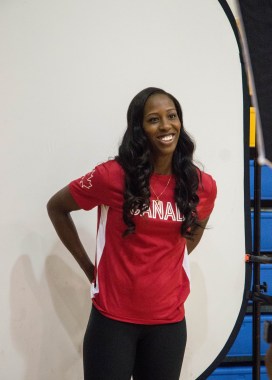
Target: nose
<point x="165" y="124"/>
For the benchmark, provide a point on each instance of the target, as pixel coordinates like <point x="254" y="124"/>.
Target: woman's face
<point x="161" y="125"/>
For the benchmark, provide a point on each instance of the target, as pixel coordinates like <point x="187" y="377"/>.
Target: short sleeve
<point x="207" y="194"/>
<point x="92" y="189"/>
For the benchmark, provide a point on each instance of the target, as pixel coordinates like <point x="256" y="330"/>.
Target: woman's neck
<point x="163" y="165"/>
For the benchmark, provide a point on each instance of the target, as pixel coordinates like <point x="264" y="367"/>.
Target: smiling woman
<point x="153" y="204"/>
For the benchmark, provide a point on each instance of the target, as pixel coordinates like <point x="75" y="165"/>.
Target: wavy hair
<point x="135" y="157"/>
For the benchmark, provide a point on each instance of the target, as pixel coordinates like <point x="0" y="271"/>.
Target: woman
<point x="153" y="205"/>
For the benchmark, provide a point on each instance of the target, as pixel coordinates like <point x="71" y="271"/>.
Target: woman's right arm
<point x="59" y="208"/>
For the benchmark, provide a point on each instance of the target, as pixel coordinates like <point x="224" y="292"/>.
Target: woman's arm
<point x="59" y="208"/>
<point x="198" y="232"/>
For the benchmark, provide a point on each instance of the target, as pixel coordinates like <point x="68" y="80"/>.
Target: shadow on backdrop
<point x="58" y="300"/>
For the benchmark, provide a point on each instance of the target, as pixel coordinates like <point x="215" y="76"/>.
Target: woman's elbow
<point x="51" y="207"/>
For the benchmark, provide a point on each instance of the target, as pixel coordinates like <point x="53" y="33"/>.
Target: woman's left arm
<point x="198" y="232"/>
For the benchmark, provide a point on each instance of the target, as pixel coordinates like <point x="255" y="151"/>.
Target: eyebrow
<point x="155" y="113"/>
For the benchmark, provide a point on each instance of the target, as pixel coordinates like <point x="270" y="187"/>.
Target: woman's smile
<point x="168" y="138"/>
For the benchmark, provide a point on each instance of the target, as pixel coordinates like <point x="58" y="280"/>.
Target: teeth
<point x="167" y="138"/>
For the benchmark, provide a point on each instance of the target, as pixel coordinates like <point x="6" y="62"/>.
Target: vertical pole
<point x="256" y="318"/>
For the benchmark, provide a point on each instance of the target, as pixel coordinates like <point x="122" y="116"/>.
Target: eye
<point x="153" y="119"/>
<point x="172" y="115"/>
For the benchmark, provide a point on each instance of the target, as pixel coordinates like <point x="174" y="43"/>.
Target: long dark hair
<point x="136" y="159"/>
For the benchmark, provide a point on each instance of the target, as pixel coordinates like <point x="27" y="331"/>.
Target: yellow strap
<point x="252" y="127"/>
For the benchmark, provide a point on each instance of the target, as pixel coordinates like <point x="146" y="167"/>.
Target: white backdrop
<point x="68" y="72"/>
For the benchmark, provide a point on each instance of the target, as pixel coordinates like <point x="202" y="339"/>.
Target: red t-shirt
<point x="141" y="278"/>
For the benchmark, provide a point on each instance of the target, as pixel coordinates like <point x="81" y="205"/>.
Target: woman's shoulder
<point x="111" y="168"/>
<point x="207" y="183"/>
<point x="206" y="178"/>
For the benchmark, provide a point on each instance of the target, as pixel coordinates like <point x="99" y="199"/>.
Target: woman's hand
<point x="197" y="235"/>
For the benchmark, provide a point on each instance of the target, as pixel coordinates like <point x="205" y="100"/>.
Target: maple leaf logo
<point x="86" y="180"/>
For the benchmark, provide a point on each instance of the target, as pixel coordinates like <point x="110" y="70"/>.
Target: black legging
<point x="114" y="350"/>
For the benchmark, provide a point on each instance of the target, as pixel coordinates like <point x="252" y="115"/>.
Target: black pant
<point x="114" y="350"/>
